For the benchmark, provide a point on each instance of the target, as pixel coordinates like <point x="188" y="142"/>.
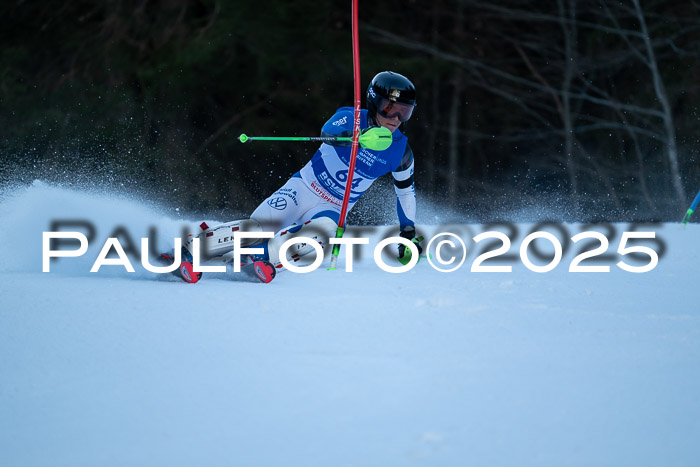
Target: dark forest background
<point x="572" y="109"/>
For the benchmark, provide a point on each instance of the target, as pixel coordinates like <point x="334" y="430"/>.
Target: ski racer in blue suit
<point x="310" y="201"/>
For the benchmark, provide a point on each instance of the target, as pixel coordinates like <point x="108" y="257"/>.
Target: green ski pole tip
<point x="687" y="217"/>
<point x="243" y="138"/>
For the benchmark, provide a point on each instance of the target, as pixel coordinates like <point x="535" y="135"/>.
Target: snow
<point x="334" y="368"/>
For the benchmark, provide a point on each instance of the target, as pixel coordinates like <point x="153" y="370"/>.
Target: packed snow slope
<point x="342" y="369"/>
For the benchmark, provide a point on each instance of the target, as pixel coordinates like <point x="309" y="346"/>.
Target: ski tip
<point x="188" y="274"/>
<point x="264" y="271"/>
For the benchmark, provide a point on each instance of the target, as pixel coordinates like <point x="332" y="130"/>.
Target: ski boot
<point x="186" y="270"/>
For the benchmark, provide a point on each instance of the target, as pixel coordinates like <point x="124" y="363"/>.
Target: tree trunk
<point x="453" y="125"/>
<point x="568" y="24"/>
<point x="662" y="96"/>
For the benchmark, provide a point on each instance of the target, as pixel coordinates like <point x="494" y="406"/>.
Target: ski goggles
<point x="391" y="109"/>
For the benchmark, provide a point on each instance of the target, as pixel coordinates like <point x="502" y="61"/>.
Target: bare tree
<point x="575" y="97"/>
<point x="661" y="94"/>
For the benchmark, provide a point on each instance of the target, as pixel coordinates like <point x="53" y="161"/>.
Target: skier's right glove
<point x="405" y="254"/>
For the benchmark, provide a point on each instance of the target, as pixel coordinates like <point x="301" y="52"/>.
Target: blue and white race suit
<point x="317" y="190"/>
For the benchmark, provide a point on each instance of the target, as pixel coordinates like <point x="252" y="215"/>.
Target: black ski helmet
<point x="392" y="87"/>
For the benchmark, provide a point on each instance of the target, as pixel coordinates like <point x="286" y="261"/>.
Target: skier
<point x="309" y="203"/>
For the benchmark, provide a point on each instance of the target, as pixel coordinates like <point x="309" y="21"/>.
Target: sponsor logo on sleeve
<point x="341" y="121"/>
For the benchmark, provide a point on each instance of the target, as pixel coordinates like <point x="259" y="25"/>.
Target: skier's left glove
<point x="405" y="254"/>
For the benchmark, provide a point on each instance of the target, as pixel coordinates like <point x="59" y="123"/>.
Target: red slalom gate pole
<point x="355" y="132"/>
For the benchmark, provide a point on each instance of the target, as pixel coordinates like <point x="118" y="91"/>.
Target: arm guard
<point x="405" y="190"/>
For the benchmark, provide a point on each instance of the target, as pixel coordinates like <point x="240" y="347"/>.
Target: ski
<point x="259" y="271"/>
<point x="264" y="271"/>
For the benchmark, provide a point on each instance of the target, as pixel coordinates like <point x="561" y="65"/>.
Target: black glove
<point x="409" y="233"/>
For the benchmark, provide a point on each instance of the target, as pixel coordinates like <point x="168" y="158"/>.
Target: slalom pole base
<point x="336" y="249"/>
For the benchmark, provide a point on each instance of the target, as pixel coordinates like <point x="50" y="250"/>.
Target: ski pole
<point x="376" y="139"/>
<point x="691" y="209"/>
